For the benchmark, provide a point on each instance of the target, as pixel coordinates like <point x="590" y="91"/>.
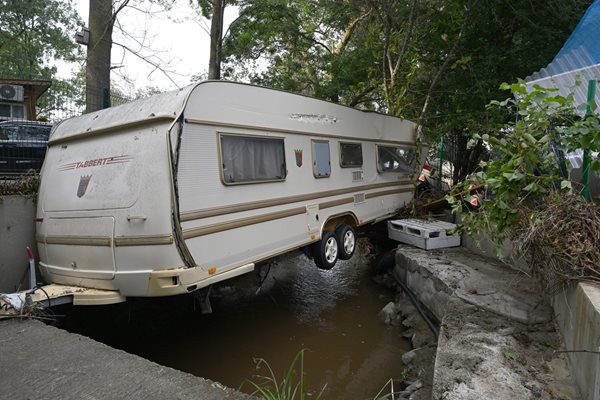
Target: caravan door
<point x="81" y="247"/>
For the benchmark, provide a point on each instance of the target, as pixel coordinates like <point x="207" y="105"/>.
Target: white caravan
<point x="175" y="192"/>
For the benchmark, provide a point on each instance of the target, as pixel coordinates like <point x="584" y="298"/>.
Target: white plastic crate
<point x="425" y="234"/>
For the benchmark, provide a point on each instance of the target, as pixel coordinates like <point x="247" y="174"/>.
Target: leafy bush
<point x="524" y="179"/>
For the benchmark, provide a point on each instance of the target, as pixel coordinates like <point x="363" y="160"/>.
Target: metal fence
<point x="23" y="142"/>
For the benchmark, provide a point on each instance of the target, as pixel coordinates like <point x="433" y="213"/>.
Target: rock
<point x="388" y="312"/>
<point x="409" y="356"/>
<point x="506" y="331"/>
<point x="410" y="321"/>
<point x="413" y="387"/>
<point x="534" y="387"/>
<point x="419" y="339"/>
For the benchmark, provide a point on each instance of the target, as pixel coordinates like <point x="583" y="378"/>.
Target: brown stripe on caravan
<point x="143" y="240"/>
<point x="295" y="132"/>
<point x="254" y="205"/>
<point x="239" y="223"/>
<point x="335" y="203"/>
<point x="105" y="241"/>
<point x="388" y="192"/>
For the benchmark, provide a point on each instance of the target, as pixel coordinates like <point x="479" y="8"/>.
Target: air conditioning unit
<point x="11" y="92"/>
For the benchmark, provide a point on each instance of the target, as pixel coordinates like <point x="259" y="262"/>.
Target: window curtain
<point x="252" y="159"/>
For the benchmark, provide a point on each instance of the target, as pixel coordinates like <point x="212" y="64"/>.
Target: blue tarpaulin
<point x="577" y="61"/>
<point x="582" y="48"/>
<point x="576" y="64"/>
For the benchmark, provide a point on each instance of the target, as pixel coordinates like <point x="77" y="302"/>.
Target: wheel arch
<point x="336" y="220"/>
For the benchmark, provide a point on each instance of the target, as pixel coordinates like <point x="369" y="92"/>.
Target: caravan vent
<point x="11" y="92"/>
<point x="357" y="176"/>
<point x="359" y="198"/>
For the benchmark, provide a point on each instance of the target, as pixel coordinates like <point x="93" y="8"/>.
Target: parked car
<point x="22" y="146"/>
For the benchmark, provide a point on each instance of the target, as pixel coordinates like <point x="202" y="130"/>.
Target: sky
<point x="177" y="39"/>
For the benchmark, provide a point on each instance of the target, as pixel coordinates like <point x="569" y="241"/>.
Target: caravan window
<point x="350" y="155"/>
<point x="248" y="159"/>
<point x="395" y="159"/>
<point x="321" y="160"/>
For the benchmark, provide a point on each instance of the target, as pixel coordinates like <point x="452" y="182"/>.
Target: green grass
<point x="292" y="386"/>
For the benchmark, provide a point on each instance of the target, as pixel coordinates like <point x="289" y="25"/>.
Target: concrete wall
<point x="17" y="231"/>
<point x="577" y="309"/>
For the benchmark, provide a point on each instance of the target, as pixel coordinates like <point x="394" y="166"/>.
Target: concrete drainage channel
<point x="497" y="337"/>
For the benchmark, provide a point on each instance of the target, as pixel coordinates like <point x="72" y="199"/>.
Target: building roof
<point x="39" y="87"/>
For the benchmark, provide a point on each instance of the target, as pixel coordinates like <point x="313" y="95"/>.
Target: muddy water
<point x="332" y="314"/>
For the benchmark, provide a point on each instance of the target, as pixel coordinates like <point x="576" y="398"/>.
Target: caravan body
<point x="172" y="193"/>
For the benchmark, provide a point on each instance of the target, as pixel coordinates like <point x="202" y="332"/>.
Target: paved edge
<point x="41" y="361"/>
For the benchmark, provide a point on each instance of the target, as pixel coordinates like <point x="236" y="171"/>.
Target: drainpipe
<point x="585" y="169"/>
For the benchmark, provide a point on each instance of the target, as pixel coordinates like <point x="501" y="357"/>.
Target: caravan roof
<point x="237" y="104"/>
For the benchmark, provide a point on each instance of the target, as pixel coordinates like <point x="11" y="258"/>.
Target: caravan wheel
<point x="346" y="238"/>
<point x="325" y="251"/>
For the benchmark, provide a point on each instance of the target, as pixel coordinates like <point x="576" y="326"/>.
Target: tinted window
<point x="351" y="155"/>
<point x="5" y="110"/>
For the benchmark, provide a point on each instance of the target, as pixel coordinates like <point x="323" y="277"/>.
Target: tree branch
<point x="156" y="65"/>
<point x="469" y="9"/>
<point x="360" y="96"/>
<point x="407" y="36"/>
<point x="349" y="31"/>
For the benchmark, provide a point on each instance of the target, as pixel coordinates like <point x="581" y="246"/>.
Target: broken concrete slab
<point x="497" y="339"/>
<point x="481" y="357"/>
<point x="484" y="282"/>
<point x="42" y="362"/>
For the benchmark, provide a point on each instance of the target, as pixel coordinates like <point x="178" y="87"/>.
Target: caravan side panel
<point x="229" y="225"/>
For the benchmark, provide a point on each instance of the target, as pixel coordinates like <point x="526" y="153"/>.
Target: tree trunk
<point x="216" y="39"/>
<point x="97" y="81"/>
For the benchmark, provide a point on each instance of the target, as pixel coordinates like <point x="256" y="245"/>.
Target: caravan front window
<point x="395" y="159"/>
<point x="249" y="159"/>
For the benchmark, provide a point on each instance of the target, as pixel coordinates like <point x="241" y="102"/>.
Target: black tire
<point x="346" y="238"/>
<point x="325" y="251"/>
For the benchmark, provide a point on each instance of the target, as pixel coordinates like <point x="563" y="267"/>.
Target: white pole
<point x="32" y="278"/>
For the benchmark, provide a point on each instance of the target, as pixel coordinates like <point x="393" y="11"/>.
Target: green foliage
<point x="32" y="34"/>
<point x="524" y="173"/>
<point x="292" y="386"/>
<point x="509" y="356"/>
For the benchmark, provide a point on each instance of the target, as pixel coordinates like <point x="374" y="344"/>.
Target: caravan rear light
<point x="427" y="167"/>
<point x="422" y="178"/>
